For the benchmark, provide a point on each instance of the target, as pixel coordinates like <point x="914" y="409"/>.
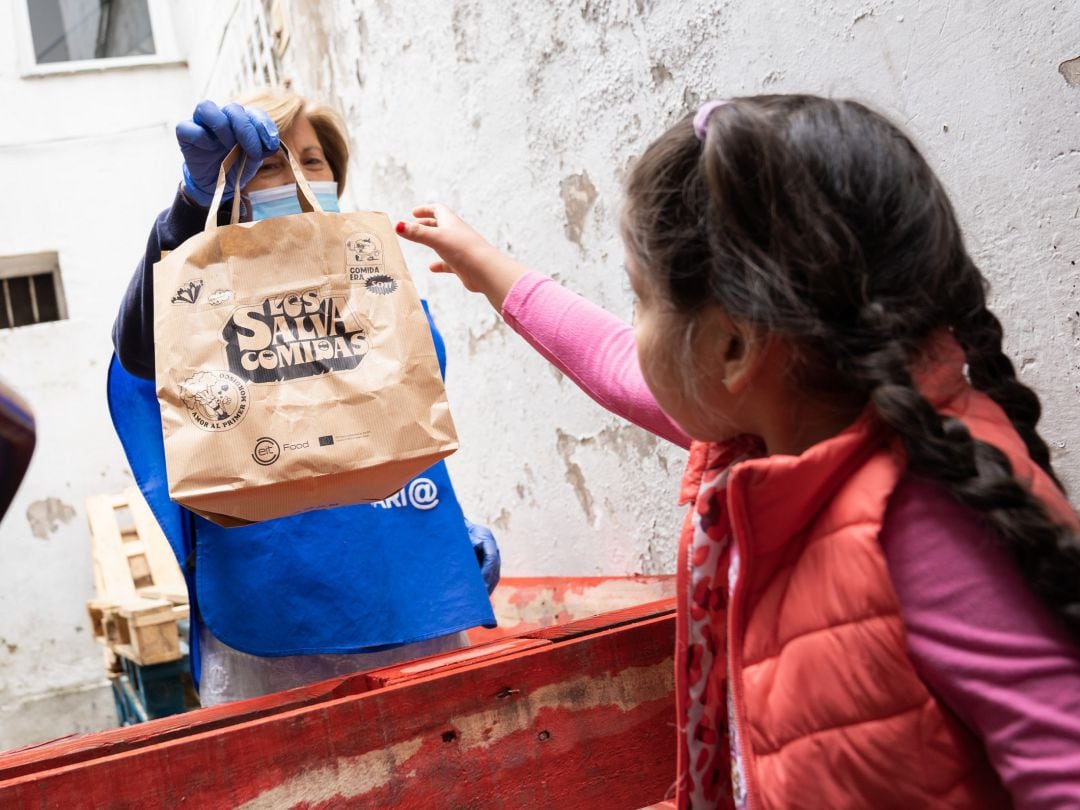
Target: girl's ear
<point x="733" y="349"/>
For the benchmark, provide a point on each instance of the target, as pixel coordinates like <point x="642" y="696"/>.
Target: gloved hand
<point x="487" y="553"/>
<point x="208" y="136"/>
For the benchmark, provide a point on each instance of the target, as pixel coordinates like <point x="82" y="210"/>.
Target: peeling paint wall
<point x="1070" y="71"/>
<point x="524" y="117"/>
<point x="87" y="161"/>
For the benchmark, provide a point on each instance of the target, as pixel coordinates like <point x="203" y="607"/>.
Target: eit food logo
<point x="298" y="334"/>
<point x="215" y="400"/>
<point x="266" y="452"/>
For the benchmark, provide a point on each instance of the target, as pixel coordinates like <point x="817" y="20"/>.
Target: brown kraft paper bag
<point x="295" y="365"/>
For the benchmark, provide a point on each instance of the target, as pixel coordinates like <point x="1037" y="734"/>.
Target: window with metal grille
<point x="30" y="290"/>
<point x="254" y="40"/>
<point x="73" y="30"/>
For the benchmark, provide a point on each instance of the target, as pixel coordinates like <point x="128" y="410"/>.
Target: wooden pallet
<point x="141" y="593"/>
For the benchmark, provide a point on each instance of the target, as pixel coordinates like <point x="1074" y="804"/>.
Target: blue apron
<point x="344" y="580"/>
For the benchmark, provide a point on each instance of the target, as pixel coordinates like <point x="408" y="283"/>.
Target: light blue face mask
<point x="281" y="201"/>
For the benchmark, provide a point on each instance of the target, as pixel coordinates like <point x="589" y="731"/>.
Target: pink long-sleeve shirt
<point x="978" y="636"/>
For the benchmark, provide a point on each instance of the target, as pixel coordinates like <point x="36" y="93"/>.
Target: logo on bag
<point x="189" y="293"/>
<point x="363" y="256"/>
<point x="266" y="452"/>
<point x="381" y="285"/>
<point x="219" y="297"/>
<point x="215" y="400"/>
<point x="298" y="334"/>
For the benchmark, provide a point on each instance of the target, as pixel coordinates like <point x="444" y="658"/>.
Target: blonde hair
<point x="283" y="106"/>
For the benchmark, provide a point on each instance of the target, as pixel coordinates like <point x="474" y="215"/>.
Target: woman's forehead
<point x="301" y="135"/>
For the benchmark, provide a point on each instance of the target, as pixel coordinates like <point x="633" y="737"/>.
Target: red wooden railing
<point x="574" y="715"/>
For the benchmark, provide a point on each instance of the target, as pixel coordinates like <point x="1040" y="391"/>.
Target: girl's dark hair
<point x="819" y="220"/>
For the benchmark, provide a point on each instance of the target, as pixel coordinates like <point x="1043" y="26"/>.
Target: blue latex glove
<point x="208" y="136"/>
<point x="487" y="553"/>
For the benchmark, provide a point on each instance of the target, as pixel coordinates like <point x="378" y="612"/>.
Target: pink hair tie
<point x="701" y="117"/>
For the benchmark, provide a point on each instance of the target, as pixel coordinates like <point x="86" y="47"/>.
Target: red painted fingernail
<point x="400" y="227"/>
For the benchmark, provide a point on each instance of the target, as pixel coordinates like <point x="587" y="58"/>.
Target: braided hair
<point x="818" y="220"/>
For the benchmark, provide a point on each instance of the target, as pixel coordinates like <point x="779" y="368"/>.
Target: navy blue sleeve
<point x="133" y="332"/>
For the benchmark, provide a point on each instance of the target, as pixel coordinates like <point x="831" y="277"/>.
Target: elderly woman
<point x="291" y="601"/>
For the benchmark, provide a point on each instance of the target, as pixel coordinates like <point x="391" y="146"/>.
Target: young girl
<point x="880" y="574"/>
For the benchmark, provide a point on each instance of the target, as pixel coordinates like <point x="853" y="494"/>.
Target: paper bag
<point x="295" y="366"/>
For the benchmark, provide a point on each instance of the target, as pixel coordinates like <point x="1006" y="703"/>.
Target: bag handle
<point x="219" y="190"/>
<point x="308" y="201"/>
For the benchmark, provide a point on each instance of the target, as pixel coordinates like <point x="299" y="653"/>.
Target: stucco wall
<point x="86" y="163"/>
<point x="524" y="117"/>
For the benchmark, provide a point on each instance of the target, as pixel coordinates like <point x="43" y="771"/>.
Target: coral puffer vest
<point x="829" y="709"/>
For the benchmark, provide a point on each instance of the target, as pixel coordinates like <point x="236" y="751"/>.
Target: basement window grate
<point x="30" y="290"/>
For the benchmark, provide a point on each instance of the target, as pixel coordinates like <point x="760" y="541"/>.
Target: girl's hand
<point x="463" y="252"/>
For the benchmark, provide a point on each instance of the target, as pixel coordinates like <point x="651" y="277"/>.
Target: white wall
<point x="503" y="109"/>
<point x="87" y="161"/>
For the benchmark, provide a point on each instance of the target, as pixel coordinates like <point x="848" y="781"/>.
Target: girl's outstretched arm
<point x="591" y="346"/>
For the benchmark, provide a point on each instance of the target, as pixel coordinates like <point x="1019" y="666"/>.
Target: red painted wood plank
<point x="70" y="750"/>
<point x="77" y="748"/>
<point x="582" y="722"/>
<point x="529" y="603"/>
<point x="603" y="621"/>
<point x="468" y="657"/>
